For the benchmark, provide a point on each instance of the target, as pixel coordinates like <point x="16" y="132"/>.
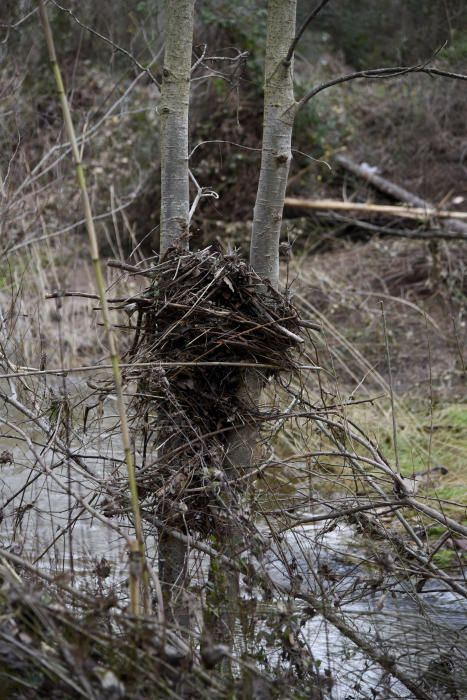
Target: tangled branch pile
<point x="205" y="323"/>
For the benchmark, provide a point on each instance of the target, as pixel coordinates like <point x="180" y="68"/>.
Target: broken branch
<point x="388" y="209"/>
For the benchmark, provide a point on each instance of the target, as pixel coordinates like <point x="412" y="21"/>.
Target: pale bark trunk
<point x="175" y="98"/>
<point x="279" y="114"/>
<point x="239" y="456"/>
<point x="175" y="207"/>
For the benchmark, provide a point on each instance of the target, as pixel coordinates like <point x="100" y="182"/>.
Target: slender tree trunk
<point x="238" y="460"/>
<point x="175" y="206"/>
<point x="279" y="114"/>
<point x="175" y="98"/>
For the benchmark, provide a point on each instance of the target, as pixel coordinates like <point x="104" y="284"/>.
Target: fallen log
<point x="405" y="212"/>
<point x="396" y="192"/>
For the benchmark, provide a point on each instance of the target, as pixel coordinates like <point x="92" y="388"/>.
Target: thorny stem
<point x="100" y="285"/>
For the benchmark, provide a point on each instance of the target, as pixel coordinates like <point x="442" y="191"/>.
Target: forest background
<point x="389" y="294"/>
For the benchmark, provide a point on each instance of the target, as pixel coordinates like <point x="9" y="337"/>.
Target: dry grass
<point x="65" y="452"/>
<point x="421" y="291"/>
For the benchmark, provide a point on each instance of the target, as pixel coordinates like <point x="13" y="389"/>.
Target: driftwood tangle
<point x="202" y="307"/>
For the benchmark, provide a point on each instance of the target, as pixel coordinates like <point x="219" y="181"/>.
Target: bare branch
<point x="200" y="193"/>
<point x="379" y="74"/>
<point x="451" y="228"/>
<point x="416" y="233"/>
<point x="20" y="21"/>
<point x="200" y="59"/>
<point x="298" y="36"/>
<point x="111" y="43"/>
<point x="404" y="212"/>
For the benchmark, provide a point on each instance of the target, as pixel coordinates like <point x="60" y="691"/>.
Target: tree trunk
<point x="279" y="114"/>
<point x="175" y="206"/>
<point x="175" y="97"/>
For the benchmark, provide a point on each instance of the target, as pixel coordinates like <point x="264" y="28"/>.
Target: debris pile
<point x="205" y="323"/>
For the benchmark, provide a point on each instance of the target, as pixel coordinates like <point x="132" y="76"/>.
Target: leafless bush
<point x="323" y="552"/>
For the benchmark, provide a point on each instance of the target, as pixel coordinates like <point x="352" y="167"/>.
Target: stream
<point x="401" y="623"/>
<point x="423" y="631"/>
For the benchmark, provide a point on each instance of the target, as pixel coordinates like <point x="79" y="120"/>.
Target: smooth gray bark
<point x="175" y="98"/>
<point x="175" y="207"/>
<point x="279" y="114"/>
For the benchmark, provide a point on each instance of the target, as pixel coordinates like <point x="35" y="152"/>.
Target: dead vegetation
<point x="205" y="321"/>
<point x="316" y="470"/>
<point x="340" y="542"/>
